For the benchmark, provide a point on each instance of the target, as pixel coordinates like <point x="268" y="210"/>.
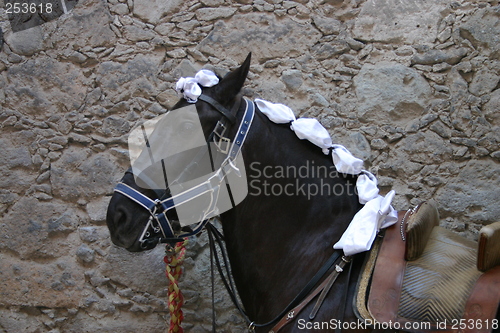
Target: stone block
<point x="390" y="93"/>
<point x="483" y="30"/>
<point x="428" y="148"/>
<point x="211" y="14"/>
<point x="97" y="208"/>
<point x="44" y="86"/>
<point x="484" y="81"/>
<point x="292" y="79"/>
<point x="394" y="21"/>
<point x="327" y="25"/>
<point x="264" y="35"/>
<point x="491" y="108"/>
<point x="80" y="174"/>
<point x="89" y="25"/>
<point x="143" y="271"/>
<point x="136" y="34"/>
<point x="153" y="11"/>
<point x="473" y="194"/>
<point x="433" y="57"/>
<point x="26" y="42"/>
<point x="138" y="74"/>
<point x="34" y="229"/>
<point x="56" y="284"/>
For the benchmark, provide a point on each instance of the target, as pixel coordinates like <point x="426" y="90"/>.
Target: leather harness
<point x="158" y="222"/>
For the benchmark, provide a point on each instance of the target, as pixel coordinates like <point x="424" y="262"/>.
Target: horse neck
<point x="277" y="242"/>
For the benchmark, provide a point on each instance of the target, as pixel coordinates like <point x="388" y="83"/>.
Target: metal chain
<point x="404" y="221"/>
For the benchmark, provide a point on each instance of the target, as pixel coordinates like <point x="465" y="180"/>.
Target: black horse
<point x="276" y="240"/>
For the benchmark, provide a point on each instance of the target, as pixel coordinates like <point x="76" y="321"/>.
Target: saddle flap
<point x="436" y="286"/>
<point x="439" y="288"/>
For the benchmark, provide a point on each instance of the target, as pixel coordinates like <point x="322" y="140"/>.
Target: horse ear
<point x="231" y="84"/>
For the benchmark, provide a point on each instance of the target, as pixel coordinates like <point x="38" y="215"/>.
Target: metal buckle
<point x="145" y="233"/>
<point x="221" y="142"/>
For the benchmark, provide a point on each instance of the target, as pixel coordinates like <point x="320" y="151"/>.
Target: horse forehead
<point x="183" y="104"/>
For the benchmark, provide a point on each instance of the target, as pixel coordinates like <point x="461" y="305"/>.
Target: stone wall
<point x="410" y="86"/>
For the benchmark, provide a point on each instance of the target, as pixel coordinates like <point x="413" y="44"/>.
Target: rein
<point x="304" y="297"/>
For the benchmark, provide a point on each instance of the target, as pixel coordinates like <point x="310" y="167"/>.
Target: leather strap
<point x="383" y="301"/>
<point x="225" y="112"/>
<point x="304" y="293"/>
<point x="292" y="314"/>
<point x="339" y="268"/>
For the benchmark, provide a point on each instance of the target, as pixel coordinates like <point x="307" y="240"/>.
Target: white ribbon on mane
<point x="190" y="88"/>
<point x="377" y="212"/>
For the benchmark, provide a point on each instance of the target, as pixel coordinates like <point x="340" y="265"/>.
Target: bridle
<point x="159" y="227"/>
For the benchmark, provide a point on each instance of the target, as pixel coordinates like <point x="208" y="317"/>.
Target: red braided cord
<point x="175" y="299"/>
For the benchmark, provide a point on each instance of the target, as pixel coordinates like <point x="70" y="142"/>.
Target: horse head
<point x="127" y="219"/>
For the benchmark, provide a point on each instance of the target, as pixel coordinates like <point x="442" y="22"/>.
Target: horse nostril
<point x="119" y="218"/>
<point x="118" y="222"/>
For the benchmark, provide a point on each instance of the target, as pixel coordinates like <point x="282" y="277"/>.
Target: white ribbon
<point x="312" y="130"/>
<point x="366" y="186"/>
<point x="345" y="162"/>
<point x="377" y="211"/>
<point x="361" y="232"/>
<point x="277" y="113"/>
<point x="190" y="88"/>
